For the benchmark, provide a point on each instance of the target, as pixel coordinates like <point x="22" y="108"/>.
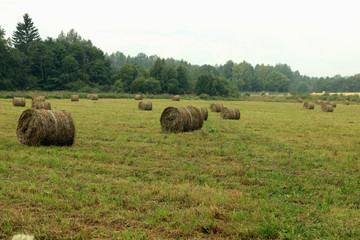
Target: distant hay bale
<point x="19" y="102"/>
<point x="75" y="98"/>
<point x="145" y="106"/>
<point x="38" y="127"/>
<point x="333" y="104"/>
<point x="39" y="98"/>
<point x="216" y="107"/>
<point x="203" y="111"/>
<point x="309" y="105"/>
<point x="299" y="100"/>
<point x="346" y="102"/>
<point x="92" y="96"/>
<point x="138" y="97"/>
<point x="181" y="119"/>
<point x="40" y="105"/>
<point x="326" y="108"/>
<point x="318" y="102"/>
<point x="325" y="102"/>
<point x="176" y="98"/>
<point x="22" y="237"/>
<point x="230" y="113"/>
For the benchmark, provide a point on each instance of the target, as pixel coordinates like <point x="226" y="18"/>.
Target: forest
<point x="72" y="63"/>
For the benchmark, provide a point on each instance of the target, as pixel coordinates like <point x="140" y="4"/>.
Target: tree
<point x="243" y="76"/>
<point x="128" y="73"/>
<point x="183" y="78"/>
<point x="227" y="69"/>
<point x="25" y="33"/>
<point x="277" y="82"/>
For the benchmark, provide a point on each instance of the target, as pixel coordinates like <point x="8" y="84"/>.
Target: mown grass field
<point x="280" y="172"/>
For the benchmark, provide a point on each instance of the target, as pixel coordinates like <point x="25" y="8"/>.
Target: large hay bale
<point x="19" y="102"/>
<point x="40" y="105"/>
<point x="346" y="102"/>
<point x="176" y="98"/>
<point x="44" y="127"/>
<point x="309" y="105"/>
<point x="138" y="97"/>
<point x="326" y="108"/>
<point x="333" y="104"/>
<point x="145" y="106"/>
<point x="75" y="98"/>
<point x="230" y="113"/>
<point x="203" y="111"/>
<point x="216" y="107"/>
<point x="299" y="100"/>
<point x="181" y="119"/>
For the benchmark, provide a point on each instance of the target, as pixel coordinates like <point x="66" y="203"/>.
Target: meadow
<point x="280" y="172"/>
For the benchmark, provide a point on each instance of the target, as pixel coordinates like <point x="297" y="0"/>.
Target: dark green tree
<point x="227" y="69"/>
<point x="277" y="82"/>
<point x="25" y="33"/>
<point x="183" y="78"/>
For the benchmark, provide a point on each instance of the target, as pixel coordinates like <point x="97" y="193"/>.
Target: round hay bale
<point x="39" y="98"/>
<point x="38" y="127"/>
<point x="40" y="105"/>
<point x="326" y="108"/>
<point x="346" y="102"/>
<point x="19" y="102"/>
<point x="318" y="102"/>
<point x="203" y="111"/>
<point x="216" y="107"/>
<point x="75" y="98"/>
<point x="138" y="97"/>
<point x="176" y="98"/>
<point x="309" y="105"/>
<point x="230" y="113"/>
<point x="299" y="100"/>
<point x="325" y="102"/>
<point x="181" y="119"/>
<point x="92" y="96"/>
<point x="145" y="106"/>
<point x="333" y="104"/>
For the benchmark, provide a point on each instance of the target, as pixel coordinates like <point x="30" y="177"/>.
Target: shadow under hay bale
<point x="326" y="108"/>
<point x="40" y="105"/>
<point x="216" y="107"/>
<point x="299" y="100"/>
<point x="138" y="97"/>
<point x="181" y="119"/>
<point x="75" y="98"/>
<point x="176" y="98"/>
<point x="38" y="127"/>
<point x="333" y="104"/>
<point x="230" y="113"/>
<point x="147" y="106"/>
<point x="92" y="96"/>
<point x="203" y="111"/>
<point x="346" y="102"/>
<point x="19" y="102"/>
<point x="309" y="105"/>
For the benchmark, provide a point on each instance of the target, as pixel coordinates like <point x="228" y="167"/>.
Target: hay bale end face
<point x="230" y="113"/>
<point x="38" y="127"/>
<point x="309" y="105"/>
<point x="176" y="98"/>
<point x="181" y="119"/>
<point x="326" y="108"/>
<point x="203" y="111"/>
<point x="147" y="106"/>
<point x="75" y="98"/>
<point x="138" y="97"/>
<point x="216" y="107"/>
<point x="19" y="102"/>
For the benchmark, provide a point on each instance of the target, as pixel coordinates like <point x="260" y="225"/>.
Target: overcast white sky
<point x="316" y="37"/>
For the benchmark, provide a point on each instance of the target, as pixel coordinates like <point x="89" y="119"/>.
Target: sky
<point x="316" y="37"/>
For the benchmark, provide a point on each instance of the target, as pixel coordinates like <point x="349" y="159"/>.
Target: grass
<point x="280" y="172"/>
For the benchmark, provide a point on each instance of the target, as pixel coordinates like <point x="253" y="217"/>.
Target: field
<point x="280" y="172"/>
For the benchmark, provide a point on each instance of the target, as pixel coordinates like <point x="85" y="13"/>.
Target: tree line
<point x="72" y="63"/>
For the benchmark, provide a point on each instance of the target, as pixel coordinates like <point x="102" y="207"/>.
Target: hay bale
<point x="40" y="105"/>
<point x="326" y="108"/>
<point x="19" y="102"/>
<point x="145" y="106"/>
<point x="181" y="119"/>
<point x="309" y="105"/>
<point x="176" y="98"/>
<point x="230" y="113"/>
<point x="299" y="100"/>
<point x="92" y="96"/>
<point x="325" y="102"/>
<point x="346" y="102"/>
<point x="75" y="98"/>
<point x="138" y="97"/>
<point x="203" y="111"/>
<point x="39" y="98"/>
<point x="333" y="104"/>
<point x="38" y="127"/>
<point x="318" y="102"/>
<point x="216" y="107"/>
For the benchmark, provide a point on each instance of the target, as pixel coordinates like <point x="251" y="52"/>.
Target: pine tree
<point x="25" y="33"/>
